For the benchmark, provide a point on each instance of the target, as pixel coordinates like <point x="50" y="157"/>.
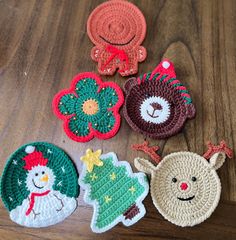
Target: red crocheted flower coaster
<point x="90" y="108"/>
<point x="157" y="104"/>
<point x="117" y="28"/>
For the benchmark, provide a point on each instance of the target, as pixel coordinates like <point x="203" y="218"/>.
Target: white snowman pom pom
<point x="29" y="149"/>
<point x="165" y="64"/>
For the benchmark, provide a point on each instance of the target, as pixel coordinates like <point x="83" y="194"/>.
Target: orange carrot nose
<point x="44" y="178"/>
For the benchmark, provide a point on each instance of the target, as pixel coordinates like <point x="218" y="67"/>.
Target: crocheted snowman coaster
<point x="115" y="192"/>
<point x="185" y="187"/>
<point x="117" y="28"/>
<point x="39" y="185"/>
<point x="90" y="108"/>
<point x="157" y="104"/>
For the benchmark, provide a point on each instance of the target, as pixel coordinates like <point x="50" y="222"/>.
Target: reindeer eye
<point x="174" y="180"/>
<point x="194" y="179"/>
<point x="36" y="174"/>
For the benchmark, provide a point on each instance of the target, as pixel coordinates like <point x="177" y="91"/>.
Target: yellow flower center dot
<point x="90" y="107"/>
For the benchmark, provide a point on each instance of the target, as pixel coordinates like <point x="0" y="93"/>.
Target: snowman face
<point x="155" y="110"/>
<point x="186" y="188"/>
<point x="40" y="179"/>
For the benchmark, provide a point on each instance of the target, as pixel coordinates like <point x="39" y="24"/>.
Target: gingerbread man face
<point x="185" y="187"/>
<point x="117" y="28"/>
<point x="157" y="104"/>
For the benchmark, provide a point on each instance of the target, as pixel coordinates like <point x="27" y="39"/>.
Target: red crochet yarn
<point x="117" y="28"/>
<point x="98" y="118"/>
<point x="34" y="159"/>
<point x="32" y="200"/>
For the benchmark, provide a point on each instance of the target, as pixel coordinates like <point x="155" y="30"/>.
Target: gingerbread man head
<point x="117" y="28"/>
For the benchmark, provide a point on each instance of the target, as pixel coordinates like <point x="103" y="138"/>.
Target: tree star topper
<point x="92" y="158"/>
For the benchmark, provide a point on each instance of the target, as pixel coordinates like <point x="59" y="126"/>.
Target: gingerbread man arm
<point x="95" y="53"/>
<point x="141" y="53"/>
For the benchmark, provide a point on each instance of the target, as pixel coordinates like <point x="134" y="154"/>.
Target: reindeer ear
<point x="217" y="160"/>
<point x="144" y="165"/>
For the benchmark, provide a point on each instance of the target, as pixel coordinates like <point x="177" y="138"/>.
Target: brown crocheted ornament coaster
<point x="157" y="104"/>
<point x="185" y="187"/>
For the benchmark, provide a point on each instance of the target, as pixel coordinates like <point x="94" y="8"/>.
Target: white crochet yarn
<point x="49" y="209"/>
<point x="157" y="116"/>
<point x="185" y="187"/>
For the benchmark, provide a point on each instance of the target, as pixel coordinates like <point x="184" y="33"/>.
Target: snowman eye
<point x="174" y="180"/>
<point x="36" y="174"/>
<point x="43" y="172"/>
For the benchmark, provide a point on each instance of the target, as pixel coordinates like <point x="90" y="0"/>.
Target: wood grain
<point x="43" y="44"/>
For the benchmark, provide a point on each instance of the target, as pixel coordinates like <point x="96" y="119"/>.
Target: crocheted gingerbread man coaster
<point x="90" y="108"/>
<point x="157" y="104"/>
<point x="185" y="187"/>
<point x="39" y="185"/>
<point x="117" y="28"/>
<point x="115" y="192"/>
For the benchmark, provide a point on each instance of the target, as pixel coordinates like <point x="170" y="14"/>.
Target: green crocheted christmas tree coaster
<point x="39" y="185"/>
<point x="115" y="192"/>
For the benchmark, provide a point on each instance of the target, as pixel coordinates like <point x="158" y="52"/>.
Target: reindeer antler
<point x="151" y="151"/>
<point x="212" y="149"/>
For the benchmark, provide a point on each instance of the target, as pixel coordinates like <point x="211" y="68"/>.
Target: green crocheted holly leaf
<point x="13" y="181"/>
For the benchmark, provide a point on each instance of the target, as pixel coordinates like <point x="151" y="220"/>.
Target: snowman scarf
<point x="32" y="200"/>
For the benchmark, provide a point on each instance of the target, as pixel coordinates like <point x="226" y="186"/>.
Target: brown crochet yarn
<point x="157" y="104"/>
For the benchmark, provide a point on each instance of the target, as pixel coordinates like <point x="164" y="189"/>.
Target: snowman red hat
<point x="34" y="158"/>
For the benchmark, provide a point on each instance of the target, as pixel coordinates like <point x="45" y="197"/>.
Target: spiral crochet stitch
<point x="39" y="185"/>
<point x="185" y="187"/>
<point x="117" y="28"/>
<point x="156" y="103"/>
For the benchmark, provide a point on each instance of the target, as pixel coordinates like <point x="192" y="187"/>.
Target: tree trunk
<point x="131" y="212"/>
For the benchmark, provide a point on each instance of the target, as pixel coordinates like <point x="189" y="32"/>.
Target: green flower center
<point x="90" y="107"/>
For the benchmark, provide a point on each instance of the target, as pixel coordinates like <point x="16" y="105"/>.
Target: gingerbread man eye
<point x="194" y="179"/>
<point x="174" y="180"/>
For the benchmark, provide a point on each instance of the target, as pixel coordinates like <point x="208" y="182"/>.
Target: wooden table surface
<point x="43" y="44"/>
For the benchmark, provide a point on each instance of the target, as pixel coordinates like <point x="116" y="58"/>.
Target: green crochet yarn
<point x="13" y="181"/>
<point x="147" y="78"/>
<point x="89" y="106"/>
<point x="114" y="190"/>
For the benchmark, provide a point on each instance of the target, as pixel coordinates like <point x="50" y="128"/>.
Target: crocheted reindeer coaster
<point x="90" y="108"/>
<point x="185" y="187"/>
<point x="157" y="104"/>
<point x="39" y="185"/>
<point x="114" y="191"/>
<point x="117" y="28"/>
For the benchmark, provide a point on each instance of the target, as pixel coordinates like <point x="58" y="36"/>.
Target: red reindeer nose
<point x="184" y="186"/>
